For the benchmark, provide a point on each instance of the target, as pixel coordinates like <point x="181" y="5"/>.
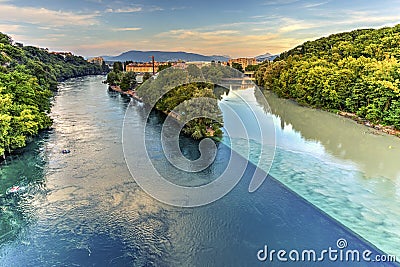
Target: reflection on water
<point x="347" y="170"/>
<point x="374" y="153"/>
<point x="85" y="209"/>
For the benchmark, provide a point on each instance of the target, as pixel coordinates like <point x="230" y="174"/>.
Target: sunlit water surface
<point x="84" y="208"/>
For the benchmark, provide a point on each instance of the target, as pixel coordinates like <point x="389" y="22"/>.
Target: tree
<point x="25" y="83"/>
<point x="128" y="81"/>
<point x="163" y="67"/>
<point x="237" y="66"/>
<point x="5" y="39"/>
<point x="146" y="76"/>
<point x="194" y="71"/>
<point x="356" y="72"/>
<point x="117" y="66"/>
<point x="104" y="67"/>
<point x="127" y="63"/>
<point x="113" y="78"/>
<point x="252" y="67"/>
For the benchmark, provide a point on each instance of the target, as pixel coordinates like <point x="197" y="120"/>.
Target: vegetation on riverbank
<point x="356" y="72"/>
<point x="117" y="77"/>
<point x="175" y="86"/>
<point x="28" y="75"/>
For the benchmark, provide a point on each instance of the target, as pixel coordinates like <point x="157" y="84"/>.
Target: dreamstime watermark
<point x="340" y="253"/>
<point x="138" y="144"/>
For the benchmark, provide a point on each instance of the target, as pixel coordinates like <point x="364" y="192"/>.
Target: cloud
<point x="45" y="17"/>
<point x="10" y="28"/>
<point x="198" y="35"/>
<point x="230" y="42"/>
<point x="124" y="10"/>
<point x="126" y="29"/>
<point x="178" y="8"/>
<point x="291" y="25"/>
<point x="155" y="8"/>
<point x="354" y="17"/>
<point x="55" y="35"/>
<point x="98" y="48"/>
<point x="280" y="2"/>
<point x="135" y="9"/>
<point x="312" y="5"/>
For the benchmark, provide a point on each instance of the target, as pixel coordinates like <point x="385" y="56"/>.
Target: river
<point x="84" y="208"/>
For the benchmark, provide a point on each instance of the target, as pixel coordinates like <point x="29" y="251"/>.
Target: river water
<point x="84" y="208"/>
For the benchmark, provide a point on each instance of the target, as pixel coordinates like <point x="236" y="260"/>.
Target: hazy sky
<point x="235" y="28"/>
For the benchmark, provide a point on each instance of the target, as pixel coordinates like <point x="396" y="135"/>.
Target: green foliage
<point x="27" y="76"/>
<point x="194" y="72"/>
<point x="128" y="81"/>
<point x="146" y="76"/>
<point x="237" y="66"/>
<point x="117" y="67"/>
<point x="355" y="72"/>
<point x="24" y="106"/>
<point x="252" y="67"/>
<point x="163" y="67"/>
<point x="166" y="92"/>
<point x="5" y="39"/>
<point x="114" y="78"/>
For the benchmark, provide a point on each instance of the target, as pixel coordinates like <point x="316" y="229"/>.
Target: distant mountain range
<point x="162" y="56"/>
<point x="266" y="56"/>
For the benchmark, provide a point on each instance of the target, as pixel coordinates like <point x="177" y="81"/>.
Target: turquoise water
<point x="349" y="171"/>
<point x="85" y="209"/>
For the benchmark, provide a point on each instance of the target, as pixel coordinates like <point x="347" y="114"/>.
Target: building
<point x="243" y="61"/>
<point x="96" y="60"/>
<point x="144" y="67"/>
<point x="250" y="74"/>
<point x="63" y="54"/>
<point x="198" y="64"/>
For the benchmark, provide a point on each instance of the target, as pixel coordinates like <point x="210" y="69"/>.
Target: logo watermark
<point x="136" y="142"/>
<point x="339" y="253"/>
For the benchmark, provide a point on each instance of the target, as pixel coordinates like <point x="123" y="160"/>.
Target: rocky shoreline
<point x="381" y="128"/>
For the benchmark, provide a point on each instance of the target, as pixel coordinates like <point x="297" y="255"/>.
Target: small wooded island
<point x="173" y="87"/>
<point x="355" y="74"/>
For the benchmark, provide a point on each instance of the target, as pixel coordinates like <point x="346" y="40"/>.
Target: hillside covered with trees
<point x="356" y="72"/>
<point x="28" y="75"/>
<point x="175" y="86"/>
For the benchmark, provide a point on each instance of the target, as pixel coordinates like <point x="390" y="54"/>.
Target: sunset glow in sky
<point x="234" y="28"/>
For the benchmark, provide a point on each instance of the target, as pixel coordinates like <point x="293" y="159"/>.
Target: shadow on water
<point x="24" y="171"/>
<point x="349" y="171"/>
<point x="189" y="149"/>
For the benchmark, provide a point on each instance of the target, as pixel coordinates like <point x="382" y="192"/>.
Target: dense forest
<point x="28" y="75"/>
<point x="356" y="72"/>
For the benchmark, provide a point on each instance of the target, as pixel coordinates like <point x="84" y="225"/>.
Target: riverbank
<point x="29" y="138"/>
<point x="86" y="209"/>
<point x="174" y="115"/>
<point x="380" y="128"/>
<point x="131" y="93"/>
<point x="29" y="76"/>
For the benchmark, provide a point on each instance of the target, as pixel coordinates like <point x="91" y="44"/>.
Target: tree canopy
<point x="174" y="87"/>
<point x="357" y="72"/>
<point x="27" y="76"/>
